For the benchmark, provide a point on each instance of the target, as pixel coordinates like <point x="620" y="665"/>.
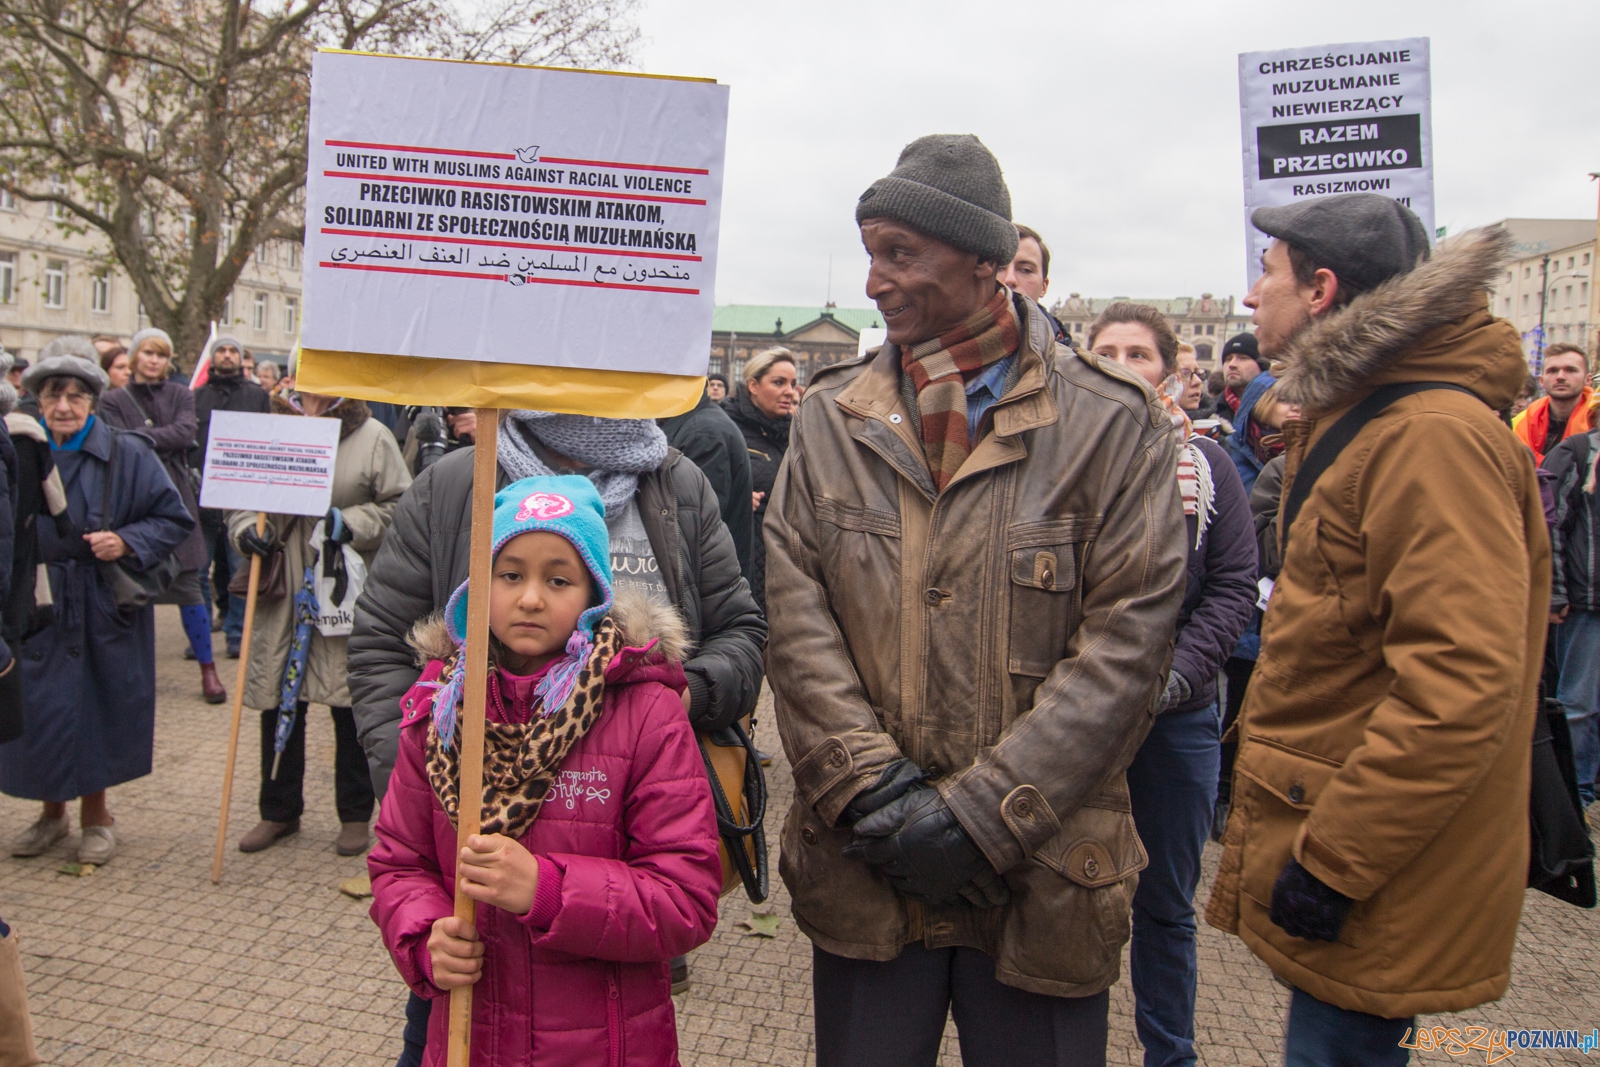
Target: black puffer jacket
<point x="424" y="559"/>
<point x="766" y="440"/>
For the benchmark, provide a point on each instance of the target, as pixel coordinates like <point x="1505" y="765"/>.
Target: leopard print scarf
<point x="521" y="761"/>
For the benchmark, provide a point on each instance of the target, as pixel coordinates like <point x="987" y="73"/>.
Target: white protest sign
<point x="1343" y="118"/>
<point x="277" y="463"/>
<point x="512" y="214"/>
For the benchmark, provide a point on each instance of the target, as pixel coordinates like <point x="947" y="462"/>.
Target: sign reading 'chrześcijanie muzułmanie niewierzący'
<point x="1328" y="119"/>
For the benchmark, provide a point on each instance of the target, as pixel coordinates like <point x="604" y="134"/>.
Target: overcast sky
<point x="1117" y="124"/>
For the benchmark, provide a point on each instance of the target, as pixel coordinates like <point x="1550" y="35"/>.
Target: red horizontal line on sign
<point x="414" y="270"/>
<point x="624" y="166"/>
<point x="415" y="148"/>
<point x="453" y="240"/>
<point x="579" y="192"/>
<point x="609" y="285"/>
<point x="502" y="277"/>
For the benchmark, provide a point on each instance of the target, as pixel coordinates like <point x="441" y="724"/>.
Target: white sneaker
<point x="99" y="844"/>
<point x="39" y="838"/>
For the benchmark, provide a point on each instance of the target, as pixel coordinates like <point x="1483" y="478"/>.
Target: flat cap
<point x="70" y="356"/>
<point x="1364" y="238"/>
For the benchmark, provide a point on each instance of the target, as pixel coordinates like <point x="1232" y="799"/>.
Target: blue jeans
<point x="1321" y="1035"/>
<point x="1577" y="649"/>
<point x="1173" y="786"/>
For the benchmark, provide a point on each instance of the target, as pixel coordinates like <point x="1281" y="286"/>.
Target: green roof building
<point x="817" y="336"/>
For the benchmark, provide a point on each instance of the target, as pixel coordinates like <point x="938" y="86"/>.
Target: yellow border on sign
<point x="610" y="394"/>
<point x="519" y="66"/>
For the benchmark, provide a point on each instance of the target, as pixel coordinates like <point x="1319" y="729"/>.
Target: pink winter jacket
<point x="628" y="874"/>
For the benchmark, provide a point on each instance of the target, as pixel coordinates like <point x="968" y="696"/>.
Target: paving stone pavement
<point x="146" y="963"/>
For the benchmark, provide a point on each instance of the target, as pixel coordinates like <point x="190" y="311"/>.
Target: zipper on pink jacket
<point x="614" y="1017"/>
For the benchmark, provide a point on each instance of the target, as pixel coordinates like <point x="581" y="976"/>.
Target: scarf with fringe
<point x="1199" y="492"/>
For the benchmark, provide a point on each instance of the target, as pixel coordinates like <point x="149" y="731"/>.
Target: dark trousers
<point x="282" y="799"/>
<point x="1321" y="1035"/>
<point x="419" y="1010"/>
<point x="1238" y="672"/>
<point x="1172" y="784"/>
<point x="891" y="1014"/>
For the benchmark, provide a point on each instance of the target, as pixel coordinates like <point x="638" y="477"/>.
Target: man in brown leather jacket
<point x="975" y="562"/>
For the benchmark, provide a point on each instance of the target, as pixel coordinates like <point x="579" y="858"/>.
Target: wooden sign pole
<point x="469" y="724"/>
<point x="238" y="704"/>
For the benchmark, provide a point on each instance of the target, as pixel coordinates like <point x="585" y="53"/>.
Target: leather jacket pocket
<point x="839" y="902"/>
<point x="1046" y="603"/>
<point x="1072" y="902"/>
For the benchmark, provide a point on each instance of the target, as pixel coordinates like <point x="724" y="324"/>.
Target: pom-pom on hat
<point x="567" y="505"/>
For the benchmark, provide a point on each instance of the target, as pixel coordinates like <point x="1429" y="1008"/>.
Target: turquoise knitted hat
<point x="567" y="505"/>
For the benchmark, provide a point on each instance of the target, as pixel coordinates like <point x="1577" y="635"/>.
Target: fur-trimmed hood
<point x="1429" y="324"/>
<point x="350" y="412"/>
<point x="640" y="618"/>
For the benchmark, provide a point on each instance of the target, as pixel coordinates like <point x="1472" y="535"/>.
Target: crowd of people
<point x="1038" y="619"/>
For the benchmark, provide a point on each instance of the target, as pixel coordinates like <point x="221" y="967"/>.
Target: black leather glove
<point x="1304" y="906"/>
<point x="334" y="529"/>
<point x="921" y="848"/>
<point x="898" y="778"/>
<point x="258" y="544"/>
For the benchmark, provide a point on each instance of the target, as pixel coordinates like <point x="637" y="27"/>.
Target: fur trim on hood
<point x="351" y="413"/>
<point x="1336" y="357"/>
<point x="641" y="619"/>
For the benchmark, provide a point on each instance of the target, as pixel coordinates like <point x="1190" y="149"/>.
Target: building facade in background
<point x="1551" y="282"/>
<point x="818" y="336"/>
<point x="55" y="281"/>
<point x="1205" y="322"/>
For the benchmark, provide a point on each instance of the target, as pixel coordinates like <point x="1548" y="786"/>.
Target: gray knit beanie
<point x="148" y="332"/>
<point x="949" y="186"/>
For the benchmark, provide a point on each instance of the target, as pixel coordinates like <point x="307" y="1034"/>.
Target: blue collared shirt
<point x="983" y="392"/>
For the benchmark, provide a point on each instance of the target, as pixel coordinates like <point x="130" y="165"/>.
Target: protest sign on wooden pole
<point x="238" y="703"/>
<point x="263" y="463"/>
<point x="470" y="727"/>
<point x="494" y="236"/>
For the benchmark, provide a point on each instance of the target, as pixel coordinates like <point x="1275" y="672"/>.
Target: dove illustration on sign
<point x="528" y="155"/>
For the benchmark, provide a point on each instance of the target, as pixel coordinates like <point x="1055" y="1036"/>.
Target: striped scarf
<point x="1194" y="471"/>
<point x="939" y="370"/>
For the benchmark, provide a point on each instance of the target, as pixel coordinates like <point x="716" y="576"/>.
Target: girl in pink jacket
<point x="597" y="862"/>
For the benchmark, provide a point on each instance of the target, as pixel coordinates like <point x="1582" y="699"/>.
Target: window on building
<point x="1508" y="305"/>
<point x="1211" y="329"/>
<point x="294" y="256"/>
<point x="8" y="277"/>
<point x="1202" y="353"/>
<point x="1584" y="293"/>
<point x="1571" y="262"/>
<point x="291" y="315"/>
<point x="1569" y="296"/>
<point x="57" y="212"/>
<point x="258" y="317"/>
<point x="1527" y="272"/>
<point x="1586" y="259"/>
<point x="100" y="291"/>
<point x="1077" y="327"/>
<point x="8" y="200"/>
<point x="227" y="310"/>
<point x="1524" y="303"/>
<point x="55" y="283"/>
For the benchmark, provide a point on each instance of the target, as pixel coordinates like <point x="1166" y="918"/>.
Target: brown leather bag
<point x="273" y="583"/>
<point x="739" y="791"/>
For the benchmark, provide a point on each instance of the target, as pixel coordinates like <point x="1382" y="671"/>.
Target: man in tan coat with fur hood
<point x="1378" y="849"/>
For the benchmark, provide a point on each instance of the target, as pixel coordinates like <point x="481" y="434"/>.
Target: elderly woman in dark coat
<point x="162" y="409"/>
<point x="89" y="723"/>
